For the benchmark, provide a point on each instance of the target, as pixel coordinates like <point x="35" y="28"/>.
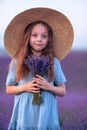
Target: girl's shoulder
<point x="56" y="61"/>
<point x="13" y="63"/>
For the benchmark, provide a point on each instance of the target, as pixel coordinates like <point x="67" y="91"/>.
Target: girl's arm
<point x="59" y="90"/>
<point x="28" y="87"/>
<point x="14" y="89"/>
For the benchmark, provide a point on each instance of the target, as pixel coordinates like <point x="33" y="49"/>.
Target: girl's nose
<point x="39" y="38"/>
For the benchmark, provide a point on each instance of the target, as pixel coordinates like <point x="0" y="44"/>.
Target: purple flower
<point x="37" y="65"/>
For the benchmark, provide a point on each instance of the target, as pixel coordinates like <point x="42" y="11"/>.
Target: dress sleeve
<point x="59" y="77"/>
<point x="11" y="76"/>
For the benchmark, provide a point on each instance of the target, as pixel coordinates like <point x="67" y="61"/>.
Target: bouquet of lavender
<point x="37" y="65"/>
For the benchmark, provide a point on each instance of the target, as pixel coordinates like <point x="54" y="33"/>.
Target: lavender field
<point x="72" y="107"/>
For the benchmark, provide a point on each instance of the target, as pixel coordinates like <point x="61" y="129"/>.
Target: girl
<point x="37" y="43"/>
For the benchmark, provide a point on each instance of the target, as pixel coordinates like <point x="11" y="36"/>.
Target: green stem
<point x="37" y="98"/>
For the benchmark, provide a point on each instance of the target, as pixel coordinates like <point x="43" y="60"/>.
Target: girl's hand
<point x="31" y="87"/>
<point x="43" y="84"/>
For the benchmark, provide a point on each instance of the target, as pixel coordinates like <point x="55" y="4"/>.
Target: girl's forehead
<point x="39" y="27"/>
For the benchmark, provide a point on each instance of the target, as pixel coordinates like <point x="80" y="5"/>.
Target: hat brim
<point x="60" y="24"/>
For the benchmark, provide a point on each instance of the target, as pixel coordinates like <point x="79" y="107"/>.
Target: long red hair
<point x="25" y="51"/>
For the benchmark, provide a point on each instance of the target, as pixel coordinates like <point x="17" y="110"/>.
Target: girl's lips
<point x="38" y="44"/>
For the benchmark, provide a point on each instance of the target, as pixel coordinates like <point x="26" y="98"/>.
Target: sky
<point x="75" y="10"/>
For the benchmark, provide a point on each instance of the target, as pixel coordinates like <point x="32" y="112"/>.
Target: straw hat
<point x="60" y="24"/>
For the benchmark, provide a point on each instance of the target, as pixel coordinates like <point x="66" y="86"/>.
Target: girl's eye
<point x="44" y="36"/>
<point x="34" y="35"/>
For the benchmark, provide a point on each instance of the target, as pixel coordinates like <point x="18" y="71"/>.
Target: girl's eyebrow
<point x="45" y="32"/>
<point x="37" y="32"/>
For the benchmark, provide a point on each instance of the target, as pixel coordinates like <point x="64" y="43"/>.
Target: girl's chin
<point x="37" y="50"/>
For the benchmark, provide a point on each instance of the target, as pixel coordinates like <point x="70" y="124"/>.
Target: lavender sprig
<point x="37" y="65"/>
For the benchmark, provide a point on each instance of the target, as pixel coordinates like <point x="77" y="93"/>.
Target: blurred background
<point x="72" y="107"/>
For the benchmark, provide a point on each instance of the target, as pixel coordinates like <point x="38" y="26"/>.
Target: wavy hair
<point x="25" y="51"/>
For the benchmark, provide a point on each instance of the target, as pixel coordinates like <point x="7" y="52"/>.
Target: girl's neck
<point x="37" y="54"/>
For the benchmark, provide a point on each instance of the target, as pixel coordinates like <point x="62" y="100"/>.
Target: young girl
<point x="37" y="42"/>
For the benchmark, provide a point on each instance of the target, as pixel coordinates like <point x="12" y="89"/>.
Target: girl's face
<point x="38" y="39"/>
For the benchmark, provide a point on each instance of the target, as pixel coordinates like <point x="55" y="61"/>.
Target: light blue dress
<point x="25" y="115"/>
